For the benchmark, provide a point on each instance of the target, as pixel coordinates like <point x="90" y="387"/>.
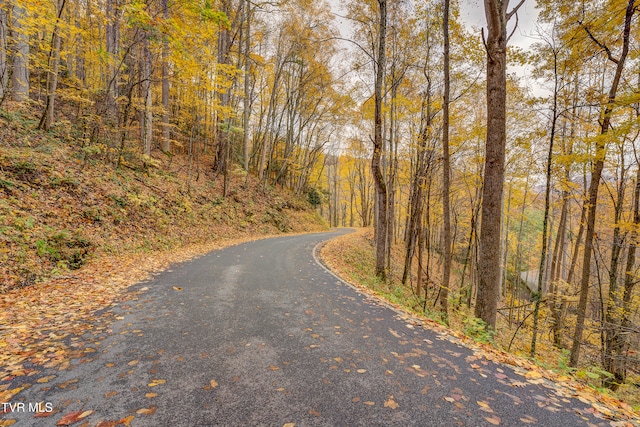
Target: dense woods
<point x="511" y="197"/>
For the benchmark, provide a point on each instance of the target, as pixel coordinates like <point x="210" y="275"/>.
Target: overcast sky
<point x="472" y="13"/>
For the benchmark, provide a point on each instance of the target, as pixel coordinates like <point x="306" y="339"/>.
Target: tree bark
<point x="490" y="227"/>
<point x="147" y="94"/>
<point x="20" y="74"/>
<point x="376" y="166"/>
<point x="52" y="75"/>
<point x="165" y="142"/>
<point x="446" y="170"/>
<point x="4" y="69"/>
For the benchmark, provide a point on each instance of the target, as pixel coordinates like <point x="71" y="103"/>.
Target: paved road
<point x="261" y="334"/>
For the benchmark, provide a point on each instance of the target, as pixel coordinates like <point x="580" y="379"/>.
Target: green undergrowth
<point x="58" y="210"/>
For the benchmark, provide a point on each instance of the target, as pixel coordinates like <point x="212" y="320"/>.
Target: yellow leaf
<point x="213" y="383"/>
<point x="150" y="395"/>
<point x="85" y="414"/>
<point x="146" y="411"/>
<point x="46" y="379"/>
<point x="177" y="288"/>
<point x="532" y="375"/>
<point x="391" y="403"/>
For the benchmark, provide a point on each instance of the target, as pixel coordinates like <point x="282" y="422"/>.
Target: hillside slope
<point x="62" y="210"/>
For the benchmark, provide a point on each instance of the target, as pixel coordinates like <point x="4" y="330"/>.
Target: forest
<point x="510" y="196"/>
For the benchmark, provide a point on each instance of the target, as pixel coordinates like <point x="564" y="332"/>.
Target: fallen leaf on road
<point x="154" y="383"/>
<point x="213" y="383"/>
<point x="107" y="423"/>
<point x="273" y="367"/>
<point x="528" y="419"/>
<point x="495" y="420"/>
<point x="391" y="403"/>
<point x="46" y="379"/>
<point x="289" y="425"/>
<point x="146" y="411"/>
<point x="177" y="288"/>
<point x="314" y="413"/>
<point x="70" y="418"/>
<point x="127" y="421"/>
<point x="369" y="403"/>
<point x="361" y="371"/>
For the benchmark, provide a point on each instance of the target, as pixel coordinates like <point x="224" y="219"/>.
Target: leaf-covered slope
<point x="59" y="211"/>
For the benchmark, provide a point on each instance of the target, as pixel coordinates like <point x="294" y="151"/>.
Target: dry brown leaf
<point x="146" y="411"/>
<point x="70" y="418"/>
<point x="495" y="420"/>
<point x="150" y="395"/>
<point x="127" y="421"/>
<point x="528" y="419"/>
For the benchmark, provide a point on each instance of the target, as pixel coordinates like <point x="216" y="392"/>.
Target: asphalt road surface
<point x="260" y="334"/>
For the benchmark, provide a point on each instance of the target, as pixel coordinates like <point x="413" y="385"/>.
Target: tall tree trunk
<point x="381" y="222"/>
<point x="222" y="134"/>
<point x="20" y="74"/>
<point x="612" y="316"/>
<point x="113" y="47"/>
<point x="4" y="69"/>
<point x="446" y="170"/>
<point x="489" y="261"/>
<point x="52" y="74"/>
<point x="165" y="142"/>
<point x="247" y="85"/>
<point x="596" y="174"/>
<point x="547" y="202"/>
<point x="147" y="94"/>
